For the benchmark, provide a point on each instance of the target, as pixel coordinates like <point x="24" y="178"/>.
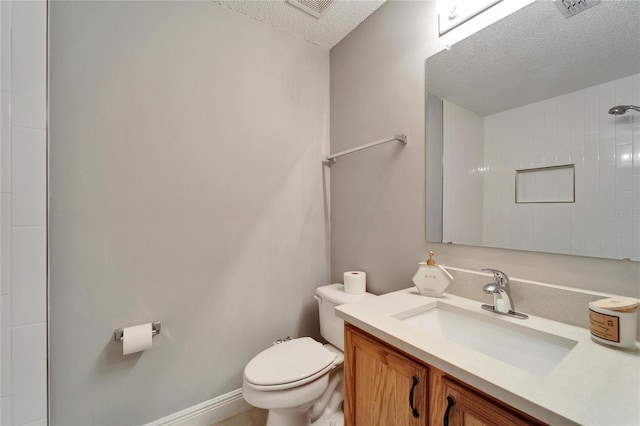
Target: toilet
<point x="300" y="381"/>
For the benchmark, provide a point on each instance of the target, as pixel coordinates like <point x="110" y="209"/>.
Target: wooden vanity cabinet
<point x="383" y="386"/>
<point x="470" y="407"/>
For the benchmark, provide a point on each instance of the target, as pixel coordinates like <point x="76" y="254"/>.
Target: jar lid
<point x="618" y="304"/>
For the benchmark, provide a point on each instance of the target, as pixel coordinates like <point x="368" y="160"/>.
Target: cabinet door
<point x="382" y="386"/>
<point x="462" y="406"/>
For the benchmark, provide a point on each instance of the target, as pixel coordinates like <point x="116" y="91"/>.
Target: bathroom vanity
<point x="384" y="386"/>
<point x="414" y="360"/>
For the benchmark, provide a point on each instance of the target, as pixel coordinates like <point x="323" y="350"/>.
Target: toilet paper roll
<point x="136" y="338"/>
<point x="355" y="282"/>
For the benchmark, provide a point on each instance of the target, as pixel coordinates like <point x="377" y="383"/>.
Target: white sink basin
<point x="531" y="350"/>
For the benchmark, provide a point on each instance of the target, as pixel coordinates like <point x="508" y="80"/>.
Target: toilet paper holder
<point x="118" y="335"/>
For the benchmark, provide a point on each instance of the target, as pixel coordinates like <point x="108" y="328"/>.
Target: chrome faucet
<point x="502" y="302"/>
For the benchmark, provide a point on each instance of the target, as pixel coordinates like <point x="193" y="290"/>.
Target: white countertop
<point x="592" y="385"/>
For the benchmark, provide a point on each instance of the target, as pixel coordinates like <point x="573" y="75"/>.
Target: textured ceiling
<point x="338" y="20"/>
<point x="536" y="54"/>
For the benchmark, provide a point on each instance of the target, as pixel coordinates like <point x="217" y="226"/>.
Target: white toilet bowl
<point x="289" y="378"/>
<point x="300" y="381"/>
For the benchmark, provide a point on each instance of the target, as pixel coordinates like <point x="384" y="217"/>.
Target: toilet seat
<point x="288" y="365"/>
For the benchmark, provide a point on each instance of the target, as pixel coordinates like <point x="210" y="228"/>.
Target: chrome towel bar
<point x="400" y="138"/>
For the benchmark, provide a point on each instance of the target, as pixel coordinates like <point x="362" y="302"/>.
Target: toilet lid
<point x="288" y="362"/>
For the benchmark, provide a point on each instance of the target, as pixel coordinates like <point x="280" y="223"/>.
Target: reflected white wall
<point x="604" y="220"/>
<point x="463" y="141"/>
<point x="575" y="129"/>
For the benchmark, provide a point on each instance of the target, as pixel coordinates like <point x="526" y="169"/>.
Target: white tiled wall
<point x="573" y="128"/>
<point x="23" y="234"/>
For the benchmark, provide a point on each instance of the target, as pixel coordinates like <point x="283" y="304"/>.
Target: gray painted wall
<point x="378" y="195"/>
<point x="186" y="186"/>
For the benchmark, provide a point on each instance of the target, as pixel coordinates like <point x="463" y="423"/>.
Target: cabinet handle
<point x="414" y="411"/>
<point x="451" y="401"/>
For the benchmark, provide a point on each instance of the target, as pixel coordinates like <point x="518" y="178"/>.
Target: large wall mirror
<point x="522" y="152"/>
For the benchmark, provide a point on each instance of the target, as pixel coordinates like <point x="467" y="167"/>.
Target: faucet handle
<point x="499" y="277"/>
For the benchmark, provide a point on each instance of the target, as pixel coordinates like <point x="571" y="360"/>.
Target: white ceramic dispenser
<point x="431" y="279"/>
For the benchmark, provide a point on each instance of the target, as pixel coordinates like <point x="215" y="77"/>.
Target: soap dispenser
<point x="431" y="279"/>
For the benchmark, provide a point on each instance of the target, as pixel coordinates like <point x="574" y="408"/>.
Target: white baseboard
<point x="207" y="413"/>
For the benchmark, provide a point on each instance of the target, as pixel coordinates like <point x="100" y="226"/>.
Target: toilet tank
<point x="331" y="326"/>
